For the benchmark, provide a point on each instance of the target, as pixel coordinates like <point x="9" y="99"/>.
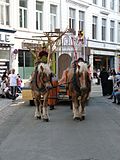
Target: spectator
<point x="4" y="84"/>
<point x="4" y="76"/>
<point x="98" y="77"/>
<point x="90" y="72"/>
<point x="116" y="92"/>
<point x="111" y="82"/>
<point x="13" y="83"/>
<point x="19" y="83"/>
<point x="104" y="81"/>
<point x="7" y="93"/>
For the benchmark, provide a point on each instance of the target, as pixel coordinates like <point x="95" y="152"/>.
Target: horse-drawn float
<point x="57" y="93"/>
<point x="45" y="89"/>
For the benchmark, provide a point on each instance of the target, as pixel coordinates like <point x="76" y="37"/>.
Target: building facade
<point x="23" y="21"/>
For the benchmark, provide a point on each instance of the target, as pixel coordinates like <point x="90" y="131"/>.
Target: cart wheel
<point x="31" y="102"/>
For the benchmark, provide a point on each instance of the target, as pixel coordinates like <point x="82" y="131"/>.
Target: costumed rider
<point x="42" y="56"/>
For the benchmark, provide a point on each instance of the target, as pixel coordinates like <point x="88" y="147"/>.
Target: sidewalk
<point x="4" y="102"/>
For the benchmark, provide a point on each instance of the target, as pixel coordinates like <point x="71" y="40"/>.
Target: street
<point x="96" y="138"/>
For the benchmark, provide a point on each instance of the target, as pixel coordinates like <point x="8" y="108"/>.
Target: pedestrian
<point x="5" y="75"/>
<point x="116" y="92"/>
<point x="104" y="81"/>
<point x="19" y="83"/>
<point x="13" y="83"/>
<point x="98" y="77"/>
<point x="111" y="82"/>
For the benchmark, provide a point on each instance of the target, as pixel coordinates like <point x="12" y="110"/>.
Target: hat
<point x="80" y="59"/>
<point x="43" y="45"/>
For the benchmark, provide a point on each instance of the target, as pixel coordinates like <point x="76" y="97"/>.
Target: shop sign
<point x="30" y="45"/>
<point x="5" y="38"/>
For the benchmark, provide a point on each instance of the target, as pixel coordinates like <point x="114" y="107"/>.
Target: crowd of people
<point x="10" y="84"/>
<point x="110" y="83"/>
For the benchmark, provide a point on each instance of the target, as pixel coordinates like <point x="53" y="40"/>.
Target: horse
<point x="79" y="88"/>
<point x="41" y="83"/>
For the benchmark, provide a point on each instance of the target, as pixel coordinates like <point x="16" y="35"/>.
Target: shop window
<point x="26" y="63"/>
<point x="25" y="59"/>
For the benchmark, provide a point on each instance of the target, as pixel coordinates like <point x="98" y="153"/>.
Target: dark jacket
<point x="104" y="76"/>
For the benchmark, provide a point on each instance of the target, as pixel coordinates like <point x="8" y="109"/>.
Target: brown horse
<point x="79" y="88"/>
<point x="40" y="85"/>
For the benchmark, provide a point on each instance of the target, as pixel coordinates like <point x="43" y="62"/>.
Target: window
<point x="103" y="3"/>
<point x="72" y="19"/>
<point x="26" y="63"/>
<point x="81" y="20"/>
<point x="4" y="12"/>
<point x="53" y="17"/>
<point x="103" y="29"/>
<point x="119" y="6"/>
<point x="39" y="15"/>
<point x="112" y="25"/>
<point x="23" y="13"/>
<point x="25" y="57"/>
<point x="95" y="1"/>
<point x="112" y="4"/>
<point x="94" y="28"/>
<point x="119" y="32"/>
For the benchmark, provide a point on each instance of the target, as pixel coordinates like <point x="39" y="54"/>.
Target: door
<point x="64" y="62"/>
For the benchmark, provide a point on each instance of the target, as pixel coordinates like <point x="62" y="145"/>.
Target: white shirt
<point x="13" y="79"/>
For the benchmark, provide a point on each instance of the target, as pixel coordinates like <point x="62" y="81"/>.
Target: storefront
<point x="107" y="61"/>
<point x="100" y="58"/>
<point x="6" y="45"/>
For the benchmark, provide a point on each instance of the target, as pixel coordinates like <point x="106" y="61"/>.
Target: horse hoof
<point x="76" y="118"/>
<point x="46" y="120"/>
<point x="83" y="117"/>
<point x="38" y="117"/>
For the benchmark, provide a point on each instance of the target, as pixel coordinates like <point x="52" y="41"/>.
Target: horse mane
<point x="83" y="70"/>
<point x="82" y="67"/>
<point x="43" y="67"/>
